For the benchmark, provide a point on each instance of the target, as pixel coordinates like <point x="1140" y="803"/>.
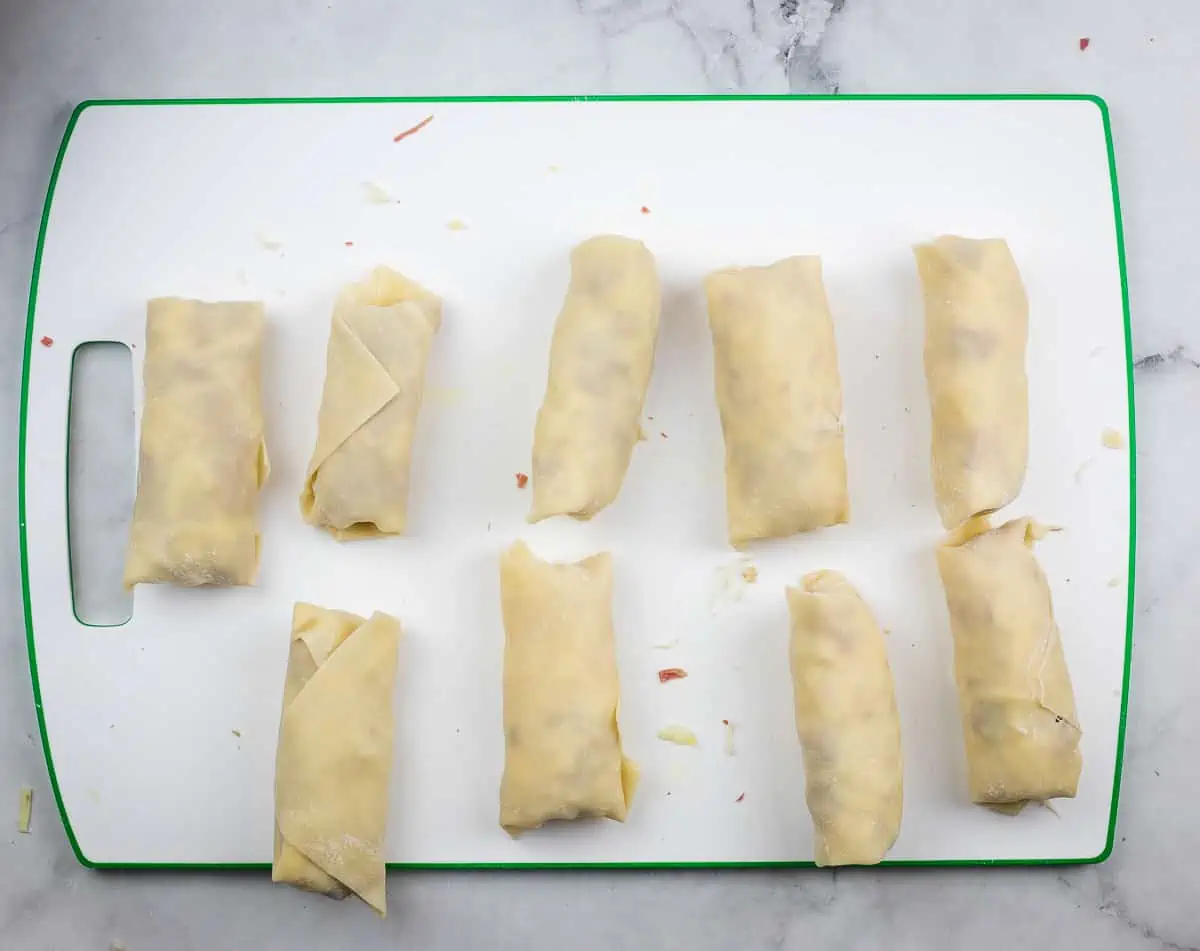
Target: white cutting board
<point x="191" y="199"/>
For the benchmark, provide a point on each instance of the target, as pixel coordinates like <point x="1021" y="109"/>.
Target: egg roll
<point x="379" y="342"/>
<point x="203" y="457"/>
<point x="976" y="326"/>
<point x="334" y="757"/>
<point x="600" y="361"/>
<point x="562" y="745"/>
<point x="847" y="722"/>
<point x="1019" y="723"/>
<point x="780" y="398"/>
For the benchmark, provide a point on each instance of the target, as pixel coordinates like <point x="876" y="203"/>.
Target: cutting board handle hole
<point x="101" y="451"/>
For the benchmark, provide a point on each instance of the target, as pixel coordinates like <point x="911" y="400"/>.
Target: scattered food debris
<point x="522" y="480"/>
<point x="553" y="169"/>
<point x="237" y="733"/>
<point x="456" y="224"/>
<point x="651" y="418"/>
<point x="645" y="210"/>
<point x="1112" y="439"/>
<point x="679" y="735"/>
<point x="666" y="645"/>
<point x="729" y="584"/>
<point x="740" y="798"/>
<point x="1083" y="468"/>
<point x="349" y="244"/>
<point x="376" y="194"/>
<point x="47" y="341"/>
<point x="268" y="244"/>
<point x="671" y="673"/>
<point x="25" y="810"/>
<point x="1115" y="581"/>
<point x="414" y="130"/>
<point x="730" y="749"/>
<point x="750" y="574"/>
<point x="664" y="435"/>
<point x="1084" y="43"/>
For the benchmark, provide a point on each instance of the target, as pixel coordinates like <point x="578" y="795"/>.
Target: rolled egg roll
<point x="202" y="457"/>
<point x="1019" y="723"/>
<point x="976" y="325"/>
<point x="334" y="757"/>
<point x="847" y="722"/>
<point x="780" y="398"/>
<point x="379" y="342"/>
<point x="562" y="745"/>
<point x="600" y="361"/>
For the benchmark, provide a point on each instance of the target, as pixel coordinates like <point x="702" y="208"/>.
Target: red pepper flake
<point x="47" y="341"/>
<point x="522" y="480"/>
<point x="671" y="673"/>
<point x="726" y="722"/>
<point x="349" y="244"/>
<point x="645" y="210"/>
<point x="1084" y="43"/>
<point x="740" y="798"/>
<point x="414" y="130"/>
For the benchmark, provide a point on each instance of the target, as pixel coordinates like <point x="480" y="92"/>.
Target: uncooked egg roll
<point x="203" y="457"/>
<point x="976" y="325"/>
<point x="847" y="721"/>
<point x="780" y="398"/>
<point x="562" y="745"/>
<point x="379" y="342"/>
<point x="1018" y="709"/>
<point x="600" y="361"/>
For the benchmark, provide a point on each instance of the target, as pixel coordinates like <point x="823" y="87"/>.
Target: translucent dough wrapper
<point x="847" y="721"/>
<point x="334" y="757"/>
<point x="379" y="342"/>
<point x="1018" y="709"/>
<point x="562" y="745"/>
<point x="780" y="397"/>
<point x="600" y="362"/>
<point x="202" y="458"/>
<point x="976" y="326"/>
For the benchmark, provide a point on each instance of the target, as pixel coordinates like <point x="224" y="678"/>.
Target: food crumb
<point x="1115" y="581"/>
<point x="730" y="749"/>
<point x="47" y="341"/>
<point x="349" y="244"/>
<point x="376" y="194"/>
<point x="237" y="733"/>
<point x="522" y="480"/>
<point x="1083" y="468"/>
<point x="1084" y="43"/>
<point x="750" y="574"/>
<point x="668" y="674"/>
<point x="553" y="169"/>
<point x="25" y="810"/>
<point x="740" y="798"/>
<point x="1112" y="438"/>
<point x="645" y="210"/>
<point x="664" y="435"/>
<point x="268" y="244"/>
<point x="456" y="224"/>
<point x="666" y="645"/>
<point x="679" y="735"/>
<point x="412" y="131"/>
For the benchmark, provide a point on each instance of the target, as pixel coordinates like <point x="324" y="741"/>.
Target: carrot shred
<point x="414" y="130"/>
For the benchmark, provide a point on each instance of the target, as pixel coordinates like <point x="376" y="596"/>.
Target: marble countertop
<point x="1141" y="57"/>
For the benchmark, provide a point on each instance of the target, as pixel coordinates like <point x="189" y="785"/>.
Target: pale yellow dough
<point x="847" y="722"/>
<point x="562" y="746"/>
<point x="335" y="754"/>
<point x="600" y="362"/>
<point x="976" y="325"/>
<point x="379" y="342"/>
<point x="1018" y="709"/>
<point x="203" y="457"/>
<point x="780" y="397"/>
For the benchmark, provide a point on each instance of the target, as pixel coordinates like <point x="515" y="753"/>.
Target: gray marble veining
<point x="1141" y="57"/>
